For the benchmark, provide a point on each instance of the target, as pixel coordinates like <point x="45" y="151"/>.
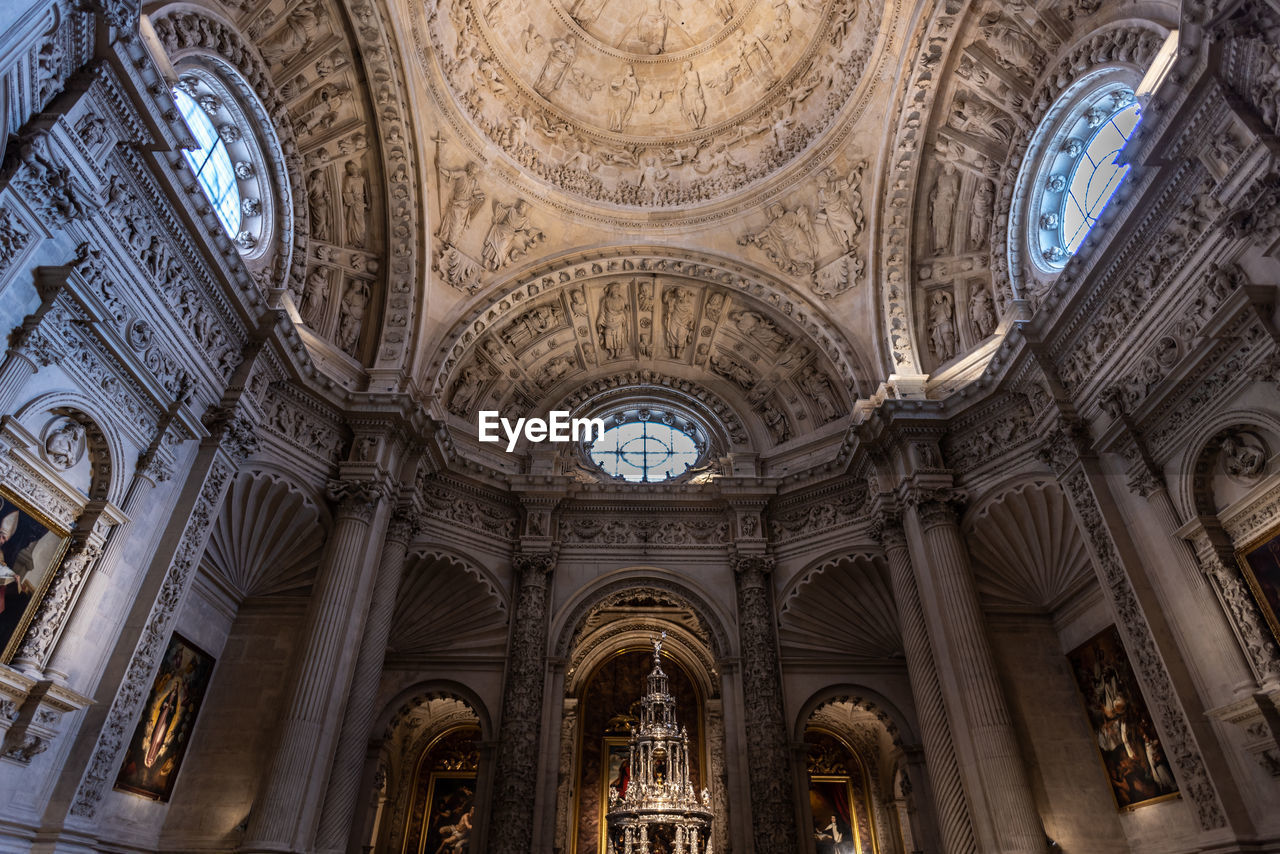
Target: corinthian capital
<point x="406" y="524"/>
<point x="936" y="506"/>
<point x="886" y="527"/>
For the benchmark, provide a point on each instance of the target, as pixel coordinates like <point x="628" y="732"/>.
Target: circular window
<point x="226" y="160"/>
<point x="647" y="446"/>
<point x="1079" y="169"/>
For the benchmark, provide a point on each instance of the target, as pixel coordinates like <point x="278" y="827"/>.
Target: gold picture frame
<point x="32" y="546"/>
<point x="825" y="793"/>
<point x="1259" y="562"/>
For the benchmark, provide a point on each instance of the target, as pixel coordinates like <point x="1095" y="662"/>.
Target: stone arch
<point x="104" y="444"/>
<point x="874" y="732"/>
<point x="618" y="585"/>
<point x="901" y="727"/>
<point x="1193" y="479"/>
<point x="403" y="732"/>
<point x="674" y="317"/>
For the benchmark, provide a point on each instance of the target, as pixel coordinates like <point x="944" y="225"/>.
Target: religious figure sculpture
<point x="354" y="303"/>
<point x="318" y="199"/>
<point x="983" y="209"/>
<point x="625" y="90"/>
<point x="759" y="329"/>
<point x="815" y="384"/>
<point x="613" y="320"/>
<point x="510" y="234"/>
<point x="563" y="53"/>
<point x="942" y="204"/>
<point x="465" y="198"/>
<point x="1243" y="455"/>
<point x="355" y="200"/>
<point x="62" y="447"/>
<point x="982" y="311"/>
<point x="840" y="206"/>
<point x="679" y="311"/>
<point x="755" y="58"/>
<point x="466" y="391"/>
<point x="942" y="328"/>
<point x="312" y="309"/>
<point x="693" y="104"/>
<point x="787" y="240"/>
<point x="651" y="26"/>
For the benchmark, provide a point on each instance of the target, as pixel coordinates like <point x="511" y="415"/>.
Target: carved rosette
<point x="768" y="754"/>
<point x="517" y="762"/>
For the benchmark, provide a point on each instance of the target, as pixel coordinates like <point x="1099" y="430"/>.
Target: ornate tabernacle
<point x="656" y="810"/>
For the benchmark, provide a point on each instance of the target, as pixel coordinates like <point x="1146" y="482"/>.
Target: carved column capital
<point x="405" y="526"/>
<point x="236" y="433"/>
<point x="752" y="569"/>
<point x="936" y="505"/>
<point x="886" y="527"/>
<point x="534" y="567"/>
<point x="356" y="499"/>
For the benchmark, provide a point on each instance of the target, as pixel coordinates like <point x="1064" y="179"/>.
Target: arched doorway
<point x="608" y="652"/>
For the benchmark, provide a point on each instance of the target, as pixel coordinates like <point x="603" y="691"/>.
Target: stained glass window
<point x="645" y="451"/>
<point x="211" y="163"/>
<point x="1096" y="176"/>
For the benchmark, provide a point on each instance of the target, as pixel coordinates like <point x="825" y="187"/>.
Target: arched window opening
<point x="211" y="163"/>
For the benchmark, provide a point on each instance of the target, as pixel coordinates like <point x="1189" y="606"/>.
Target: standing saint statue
<point x="679" y="312"/>
<point x="355" y="201"/>
<point x="613" y="320"/>
<point x="465" y="198"/>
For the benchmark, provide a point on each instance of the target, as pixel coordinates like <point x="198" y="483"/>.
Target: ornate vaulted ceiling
<point x="769" y="207"/>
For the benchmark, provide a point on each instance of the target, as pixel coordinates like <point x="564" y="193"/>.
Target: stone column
<point x="1015" y="823"/>
<point x="954" y="821"/>
<point x="773" y="812"/>
<point x="357" y="718"/>
<point x="516" y="775"/>
<point x="566" y="785"/>
<point x="282" y="818"/>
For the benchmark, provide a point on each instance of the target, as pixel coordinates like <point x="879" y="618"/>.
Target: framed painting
<point x="615" y="754"/>
<point x="31" y="547"/>
<point x="154" y="757"/>
<point x="1136" y="765"/>
<point x="451" y="812"/>
<point x="1260" y="564"/>
<point x="834" y="826"/>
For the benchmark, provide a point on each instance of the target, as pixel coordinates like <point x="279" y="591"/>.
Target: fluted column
<point x="518" y="738"/>
<point x="1015" y="823"/>
<point x="954" y="821"/>
<point x="769" y="776"/>
<point x="281" y="819"/>
<point x="357" y="719"/>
